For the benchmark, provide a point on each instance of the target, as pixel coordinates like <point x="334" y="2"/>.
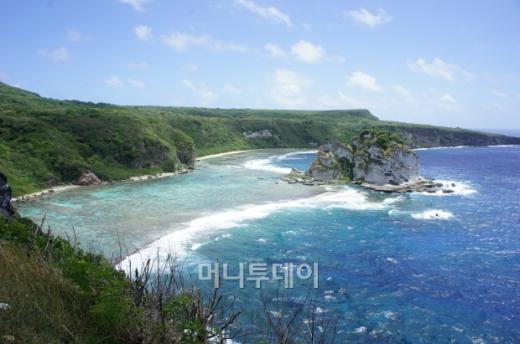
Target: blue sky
<point x="442" y="62"/>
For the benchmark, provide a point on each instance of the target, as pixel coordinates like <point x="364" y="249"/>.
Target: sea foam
<point x="294" y="155"/>
<point x="433" y="214"/>
<point x="267" y="164"/>
<point x="458" y="188"/>
<point x="179" y="242"/>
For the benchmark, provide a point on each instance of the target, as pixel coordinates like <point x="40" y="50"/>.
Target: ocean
<point x="409" y="268"/>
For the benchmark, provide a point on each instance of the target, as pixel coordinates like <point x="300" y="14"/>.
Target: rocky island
<point x="379" y="161"/>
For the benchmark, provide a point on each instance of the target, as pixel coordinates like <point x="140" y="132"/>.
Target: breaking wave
<point x="267" y="164"/>
<point x="457" y="188"/>
<point x="433" y="214"/>
<point x="179" y="242"/>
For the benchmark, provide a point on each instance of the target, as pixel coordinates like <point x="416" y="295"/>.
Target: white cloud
<point x="136" y="83"/>
<point x="289" y="88"/>
<point x="3" y="77"/>
<point x="114" y="81"/>
<point x="327" y="102"/>
<point x="349" y="100"/>
<point x="143" y="32"/>
<point x="270" y="12"/>
<point x="191" y="67"/>
<point x="500" y="94"/>
<point x="137" y="65"/>
<point x="232" y="89"/>
<point x="447" y="102"/>
<point x="363" y="81"/>
<point x="337" y="58"/>
<point x="439" y="68"/>
<point x="305" y="51"/>
<point x="205" y="94"/>
<point x="137" y="5"/>
<point x="447" y="98"/>
<point x="366" y="17"/>
<point x="183" y="41"/>
<point x="275" y="51"/>
<point x="405" y="93"/>
<point x="228" y="46"/>
<point x="57" y="55"/>
<point x="73" y="36"/>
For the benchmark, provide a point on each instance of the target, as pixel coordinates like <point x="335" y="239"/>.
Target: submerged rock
<point x="6" y="209"/>
<point x="88" y="178"/>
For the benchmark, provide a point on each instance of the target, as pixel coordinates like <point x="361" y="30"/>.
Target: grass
<point x="44" y="306"/>
<point x="58" y="293"/>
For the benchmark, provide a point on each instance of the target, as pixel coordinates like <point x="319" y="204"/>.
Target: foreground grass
<point x="43" y="305"/>
<point x="58" y="293"/>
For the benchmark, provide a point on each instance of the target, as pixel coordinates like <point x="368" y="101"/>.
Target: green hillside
<point x="44" y="142"/>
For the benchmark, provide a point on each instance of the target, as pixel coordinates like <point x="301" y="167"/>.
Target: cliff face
<point x="5" y="197"/>
<point x="429" y="136"/>
<point x="370" y="158"/>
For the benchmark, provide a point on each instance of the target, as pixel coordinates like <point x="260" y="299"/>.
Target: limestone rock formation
<point x="373" y="158"/>
<point x="6" y="209"/>
<point x="88" y="178"/>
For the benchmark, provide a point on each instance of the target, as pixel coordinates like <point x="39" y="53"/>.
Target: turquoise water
<point x="412" y="268"/>
<point x="127" y="216"/>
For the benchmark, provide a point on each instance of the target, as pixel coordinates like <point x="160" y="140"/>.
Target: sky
<point x="453" y="63"/>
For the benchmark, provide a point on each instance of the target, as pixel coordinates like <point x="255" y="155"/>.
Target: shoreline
<point x="67" y="187"/>
<point x="140" y="178"/>
<point x="45" y="192"/>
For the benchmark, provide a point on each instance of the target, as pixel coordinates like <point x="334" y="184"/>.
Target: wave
<point x="177" y="243"/>
<point x="267" y="164"/>
<point x="433" y="214"/>
<point x="458" y="188"/>
<point x="292" y="155"/>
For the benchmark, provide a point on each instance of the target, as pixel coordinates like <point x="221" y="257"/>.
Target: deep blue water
<point x="395" y="278"/>
<point x="413" y="268"/>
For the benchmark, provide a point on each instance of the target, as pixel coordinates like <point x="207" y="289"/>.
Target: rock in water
<point x="6" y="209"/>
<point x="88" y="178"/>
<point x="375" y="158"/>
